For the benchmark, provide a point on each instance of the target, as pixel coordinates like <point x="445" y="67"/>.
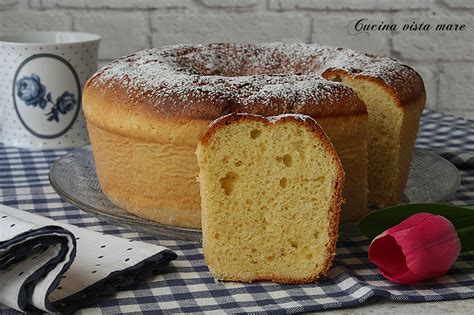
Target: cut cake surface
<point x="271" y="195"/>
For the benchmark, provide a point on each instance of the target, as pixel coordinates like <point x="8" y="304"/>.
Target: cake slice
<point x="270" y="196"/>
<point x="394" y="114"/>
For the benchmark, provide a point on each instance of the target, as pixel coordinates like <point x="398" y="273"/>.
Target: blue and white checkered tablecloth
<point x="190" y="287"/>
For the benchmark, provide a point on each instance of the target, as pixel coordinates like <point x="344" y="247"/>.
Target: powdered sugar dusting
<point x="246" y="74"/>
<point x="302" y="117"/>
<point x="271" y="119"/>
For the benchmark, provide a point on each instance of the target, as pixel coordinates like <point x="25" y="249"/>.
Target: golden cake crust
<point x="166" y="97"/>
<point x="399" y="80"/>
<point x="206" y="82"/>
<point x="336" y="200"/>
<point x="137" y="116"/>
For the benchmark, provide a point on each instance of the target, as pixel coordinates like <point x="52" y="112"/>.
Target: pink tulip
<point x="422" y="246"/>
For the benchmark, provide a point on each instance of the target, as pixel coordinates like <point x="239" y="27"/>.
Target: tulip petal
<point x="421" y="247"/>
<point x="388" y="255"/>
<point x="410" y="222"/>
<point x="431" y="247"/>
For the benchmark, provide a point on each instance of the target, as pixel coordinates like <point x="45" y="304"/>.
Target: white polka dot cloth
<point x="50" y="266"/>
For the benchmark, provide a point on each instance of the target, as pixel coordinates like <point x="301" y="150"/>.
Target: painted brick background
<point x="444" y="59"/>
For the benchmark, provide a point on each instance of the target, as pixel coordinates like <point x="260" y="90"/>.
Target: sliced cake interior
<point x="385" y="120"/>
<point x="270" y="196"/>
<point x="392" y="130"/>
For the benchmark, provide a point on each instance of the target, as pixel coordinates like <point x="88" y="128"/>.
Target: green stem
<point x="466" y="235"/>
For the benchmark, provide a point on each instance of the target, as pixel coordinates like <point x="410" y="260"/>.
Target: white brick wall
<point x="206" y="28"/>
<point x="445" y="60"/>
<point x="331" y="29"/>
<point x="122" y="33"/>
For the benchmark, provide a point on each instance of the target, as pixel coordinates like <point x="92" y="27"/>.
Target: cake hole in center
<point x="225" y="159"/>
<point x="336" y="79"/>
<point x="294" y="244"/>
<point x="228" y="182"/>
<point x="287" y="160"/>
<point x="254" y="134"/>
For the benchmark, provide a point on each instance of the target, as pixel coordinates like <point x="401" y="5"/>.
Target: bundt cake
<point x="271" y="191"/>
<point x="145" y="113"/>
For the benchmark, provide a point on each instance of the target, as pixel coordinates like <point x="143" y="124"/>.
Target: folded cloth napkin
<point x="56" y="267"/>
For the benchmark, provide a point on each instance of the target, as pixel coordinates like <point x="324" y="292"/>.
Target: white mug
<point x="41" y="79"/>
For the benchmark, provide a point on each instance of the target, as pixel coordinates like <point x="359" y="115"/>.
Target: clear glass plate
<point x="73" y="176"/>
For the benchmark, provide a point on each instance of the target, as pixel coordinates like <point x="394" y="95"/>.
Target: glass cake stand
<point x="73" y="177"/>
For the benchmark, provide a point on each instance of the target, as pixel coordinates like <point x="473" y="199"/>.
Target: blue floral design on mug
<point x="33" y="93"/>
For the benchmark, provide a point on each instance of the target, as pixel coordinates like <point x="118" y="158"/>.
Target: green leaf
<point x="461" y="217"/>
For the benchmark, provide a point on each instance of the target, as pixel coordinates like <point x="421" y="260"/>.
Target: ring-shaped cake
<point x="146" y="111"/>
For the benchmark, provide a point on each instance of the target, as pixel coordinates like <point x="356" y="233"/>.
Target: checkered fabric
<point x="191" y="288"/>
